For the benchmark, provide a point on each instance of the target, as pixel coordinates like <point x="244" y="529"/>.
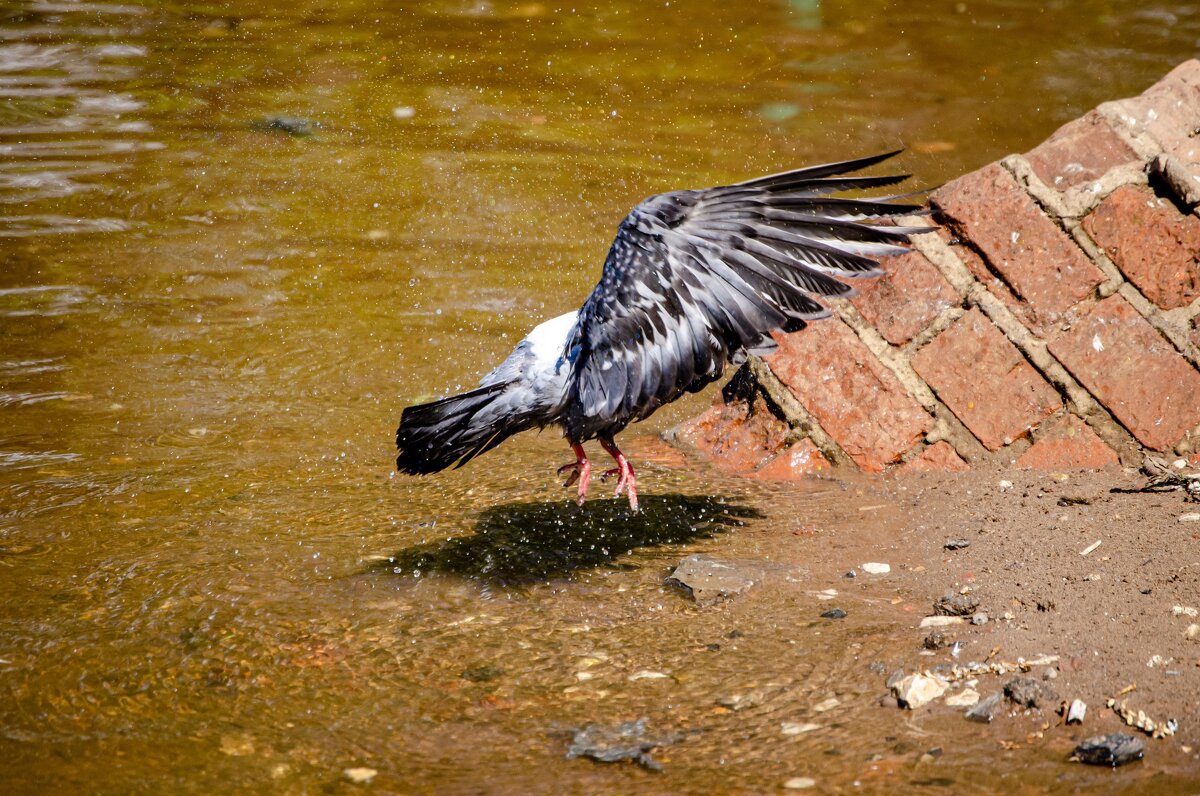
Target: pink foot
<point x="624" y="470"/>
<point x="580" y="470"/>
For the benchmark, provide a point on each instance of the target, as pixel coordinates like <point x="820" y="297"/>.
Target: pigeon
<point x="695" y="280"/>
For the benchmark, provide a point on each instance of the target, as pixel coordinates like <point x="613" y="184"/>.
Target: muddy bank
<point x="1018" y="551"/>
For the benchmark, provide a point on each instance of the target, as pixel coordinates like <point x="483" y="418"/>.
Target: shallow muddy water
<point x="238" y="238"/>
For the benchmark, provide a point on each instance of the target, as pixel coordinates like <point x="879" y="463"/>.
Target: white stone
<point x="876" y="568"/>
<point x="360" y="775"/>
<point x="800" y="783"/>
<point x="941" y="621"/>
<point x="646" y="674"/>
<point x="797" y="728"/>
<point x="916" y="690"/>
<point x="963" y="699"/>
<point x="827" y="704"/>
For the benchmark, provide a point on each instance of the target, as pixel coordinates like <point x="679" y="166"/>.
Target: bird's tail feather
<point x="451" y="431"/>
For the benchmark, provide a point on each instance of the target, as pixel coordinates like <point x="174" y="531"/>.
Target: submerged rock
<point x="709" y="579"/>
<point x="625" y="741"/>
<point x="834" y="613"/>
<point x="1115" y="749"/>
<point x="985" y="710"/>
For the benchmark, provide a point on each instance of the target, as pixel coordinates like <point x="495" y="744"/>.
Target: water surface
<point x="237" y="238"/>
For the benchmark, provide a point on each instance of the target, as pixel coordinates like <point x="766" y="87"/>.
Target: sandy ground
<point x="1116" y="615"/>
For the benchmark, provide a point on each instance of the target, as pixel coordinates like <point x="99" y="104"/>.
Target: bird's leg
<point x="580" y="469"/>
<point x="624" y="471"/>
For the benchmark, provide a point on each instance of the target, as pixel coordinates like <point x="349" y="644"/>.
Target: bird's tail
<point x="451" y="431"/>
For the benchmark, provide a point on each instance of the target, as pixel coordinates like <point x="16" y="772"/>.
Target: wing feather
<point x="694" y="279"/>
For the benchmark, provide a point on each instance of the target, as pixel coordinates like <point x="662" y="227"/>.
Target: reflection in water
<point x="523" y="543"/>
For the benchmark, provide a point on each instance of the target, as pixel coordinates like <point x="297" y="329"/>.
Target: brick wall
<point x="1052" y="322"/>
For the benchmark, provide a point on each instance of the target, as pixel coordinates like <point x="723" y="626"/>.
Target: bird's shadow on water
<point x="518" y="544"/>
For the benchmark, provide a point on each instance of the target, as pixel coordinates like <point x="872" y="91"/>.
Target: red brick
<point x="939" y="457"/>
<point x="1119" y="357"/>
<point x="858" y="401"/>
<point x="1156" y="246"/>
<point x="1079" y="152"/>
<point x="1026" y="314"/>
<point x="1068" y="443"/>
<point x="737" y="436"/>
<point x="906" y="299"/>
<point x="1036" y="258"/>
<point x="985" y="381"/>
<point x="799" y="460"/>
<point x="1168" y="111"/>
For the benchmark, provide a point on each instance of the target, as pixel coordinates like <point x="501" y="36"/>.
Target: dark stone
<point x="1113" y="750"/>
<point x="956" y="605"/>
<point x="709" y="579"/>
<point x="984" y="709"/>
<point x="1029" y="693"/>
<point x="286" y="124"/>
<point x="956" y="544"/>
<point x="834" y="613"/>
<point x="626" y="741"/>
<point x="936" y="640"/>
<point x="481" y="674"/>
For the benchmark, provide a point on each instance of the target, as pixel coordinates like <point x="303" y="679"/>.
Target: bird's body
<point x="693" y="281"/>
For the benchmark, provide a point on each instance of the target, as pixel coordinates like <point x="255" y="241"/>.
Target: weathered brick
<point x="1154" y="244"/>
<point x="1068" y="443"/>
<point x="858" y="401"/>
<point x="1039" y="324"/>
<point x="1168" y="112"/>
<point x="1036" y="258"/>
<point x="799" y="460"/>
<point x="1078" y="152"/>
<point x="738" y="436"/>
<point x="906" y="299"/>
<point x="985" y="381"/>
<point x="939" y="457"/>
<point x="1119" y="357"/>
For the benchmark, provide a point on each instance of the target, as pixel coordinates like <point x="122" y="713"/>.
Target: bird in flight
<point x="694" y="280"/>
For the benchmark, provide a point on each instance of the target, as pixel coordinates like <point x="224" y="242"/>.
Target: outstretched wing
<point x="695" y="278"/>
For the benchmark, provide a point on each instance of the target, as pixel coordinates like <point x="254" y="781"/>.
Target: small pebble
<point x="1076" y="712"/>
<point x="1191" y="516"/>
<point x="800" y="783"/>
<point x="797" y="728"/>
<point x="957" y="544"/>
<point x="1050" y="674"/>
<point x="1192" y="632"/>
<point x="1006" y="485"/>
<point x="876" y="568"/>
<point x="834" y="613"/>
<point x="360" y="775"/>
<point x="851" y="574"/>
<point x="979" y="618"/>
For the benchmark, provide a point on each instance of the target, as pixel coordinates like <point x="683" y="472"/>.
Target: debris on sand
<point x="626" y="741"/>
<point x="709" y="579"/>
<point x="957" y="671"/>
<point x="1075" y="712"/>
<point x="952" y="604"/>
<point x="916" y="690"/>
<point x="1029" y="693"/>
<point x="1155" y="729"/>
<point x="1114" y="750"/>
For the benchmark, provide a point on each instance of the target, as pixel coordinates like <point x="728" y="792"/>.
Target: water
<point x="238" y="239"/>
